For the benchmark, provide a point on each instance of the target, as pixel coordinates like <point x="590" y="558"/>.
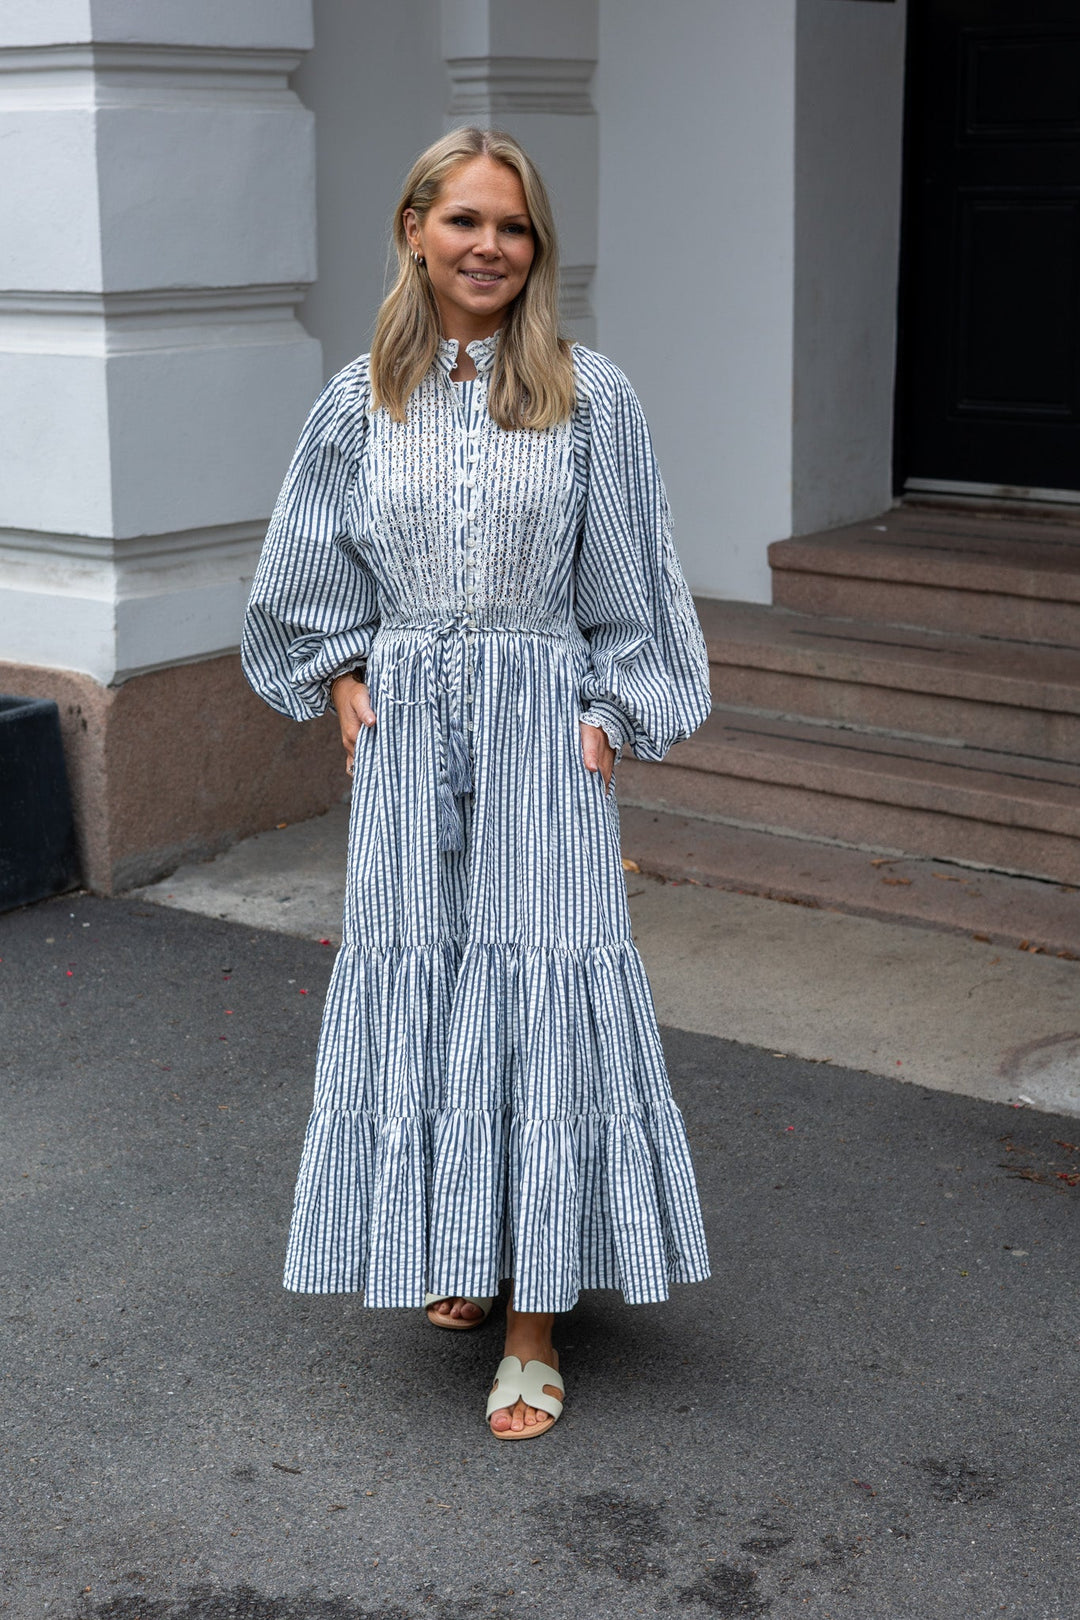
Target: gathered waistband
<point x="493" y="617"/>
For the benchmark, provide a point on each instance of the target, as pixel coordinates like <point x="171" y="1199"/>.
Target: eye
<point x="518" y="230"/>
<point x="461" y="219"/>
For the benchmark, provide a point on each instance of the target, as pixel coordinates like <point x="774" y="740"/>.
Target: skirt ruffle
<point x="493" y="1111"/>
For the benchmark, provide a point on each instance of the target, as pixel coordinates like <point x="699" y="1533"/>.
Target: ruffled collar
<point x="481" y="352"/>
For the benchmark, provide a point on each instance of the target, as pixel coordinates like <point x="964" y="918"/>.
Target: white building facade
<point x="197" y="210"/>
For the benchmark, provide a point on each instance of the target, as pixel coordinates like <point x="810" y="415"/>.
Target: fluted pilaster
<point x="528" y="69"/>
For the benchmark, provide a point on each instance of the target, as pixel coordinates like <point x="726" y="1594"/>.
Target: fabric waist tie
<point x="447" y="700"/>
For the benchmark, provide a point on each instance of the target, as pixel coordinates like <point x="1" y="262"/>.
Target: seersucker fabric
<point x="491" y="1093"/>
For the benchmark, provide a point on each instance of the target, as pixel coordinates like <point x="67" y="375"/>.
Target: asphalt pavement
<point x="864" y="1415"/>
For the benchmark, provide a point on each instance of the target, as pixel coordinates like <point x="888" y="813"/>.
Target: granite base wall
<point x="178" y="764"/>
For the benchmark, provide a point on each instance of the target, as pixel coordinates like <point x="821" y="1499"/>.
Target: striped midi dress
<point x="491" y="1094"/>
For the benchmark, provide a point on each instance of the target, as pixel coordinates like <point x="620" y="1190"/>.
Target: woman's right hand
<point x="352" y="706"/>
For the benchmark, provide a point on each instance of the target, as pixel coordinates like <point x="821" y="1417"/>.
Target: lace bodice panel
<point x="453" y="513"/>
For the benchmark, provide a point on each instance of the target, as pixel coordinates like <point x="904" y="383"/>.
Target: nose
<point x="487" y="242"/>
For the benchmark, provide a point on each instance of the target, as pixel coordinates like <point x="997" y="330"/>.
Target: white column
<point x="159" y="202"/>
<point x="528" y="69"/>
<point x="694" y="291"/>
<point x="849" y="94"/>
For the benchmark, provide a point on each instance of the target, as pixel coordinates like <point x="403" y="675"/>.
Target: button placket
<point x="468" y="502"/>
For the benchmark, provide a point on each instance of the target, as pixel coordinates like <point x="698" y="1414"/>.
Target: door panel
<point x="989" y="373"/>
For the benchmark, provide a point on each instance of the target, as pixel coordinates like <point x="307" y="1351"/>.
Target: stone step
<point x="1021" y="913"/>
<point x="992" y="695"/>
<point x="983" y="574"/>
<point x="1010" y="813"/>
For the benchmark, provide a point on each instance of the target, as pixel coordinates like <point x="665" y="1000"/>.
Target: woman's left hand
<point x="597" y="751"/>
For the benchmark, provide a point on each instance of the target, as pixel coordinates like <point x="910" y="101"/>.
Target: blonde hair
<point x="532" y="382"/>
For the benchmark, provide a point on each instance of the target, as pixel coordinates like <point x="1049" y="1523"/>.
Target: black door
<point x="989" y="372"/>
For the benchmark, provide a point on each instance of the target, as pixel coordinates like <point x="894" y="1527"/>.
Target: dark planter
<point x="38" y="856"/>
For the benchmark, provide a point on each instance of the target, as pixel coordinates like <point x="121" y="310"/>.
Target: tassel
<point x="458" y="768"/>
<point x="448" y="817"/>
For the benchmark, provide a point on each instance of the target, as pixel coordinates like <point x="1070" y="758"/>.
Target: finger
<point x="360" y="704"/>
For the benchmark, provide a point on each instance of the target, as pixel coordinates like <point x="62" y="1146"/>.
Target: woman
<point x="471" y="562"/>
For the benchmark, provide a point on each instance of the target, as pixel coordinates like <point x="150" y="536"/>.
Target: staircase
<point x="915" y="687"/>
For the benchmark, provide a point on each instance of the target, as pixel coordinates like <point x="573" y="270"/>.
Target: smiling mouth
<point x="485" y="278"/>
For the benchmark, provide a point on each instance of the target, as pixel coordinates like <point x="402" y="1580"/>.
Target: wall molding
<point x="166" y="551"/>
<point x="575" y="289"/>
<point x="132" y="322"/>
<point x="481" y="86"/>
<point x="143" y="75"/>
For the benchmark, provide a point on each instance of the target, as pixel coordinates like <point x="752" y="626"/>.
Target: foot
<point x="458" y="1310"/>
<point x="528" y="1336"/>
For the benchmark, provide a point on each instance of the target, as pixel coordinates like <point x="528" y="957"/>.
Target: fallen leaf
<point x="630" y="866"/>
<point x="897" y="883"/>
<point x="943" y="877"/>
<point x="1070" y="1147"/>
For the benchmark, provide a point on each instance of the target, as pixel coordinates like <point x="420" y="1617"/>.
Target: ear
<point x="412" y="229"/>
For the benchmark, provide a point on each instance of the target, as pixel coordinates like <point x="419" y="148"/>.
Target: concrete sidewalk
<point x="912" y="1002"/>
<point x="862" y="1416"/>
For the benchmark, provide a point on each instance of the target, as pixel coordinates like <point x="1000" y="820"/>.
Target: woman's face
<point x="478" y="241"/>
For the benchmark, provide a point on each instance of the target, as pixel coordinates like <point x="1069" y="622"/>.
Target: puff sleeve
<point x="313" y="608"/>
<point x="647" y="681"/>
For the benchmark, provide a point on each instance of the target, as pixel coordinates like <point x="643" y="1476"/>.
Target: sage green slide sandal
<point x="438" y="1320"/>
<point x="514" y="1383"/>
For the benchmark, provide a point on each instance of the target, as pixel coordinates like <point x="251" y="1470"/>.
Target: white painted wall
<point x="377" y="85"/>
<point x="159" y="189"/>
<point x="849" y="128"/>
<point x="694" y="279"/>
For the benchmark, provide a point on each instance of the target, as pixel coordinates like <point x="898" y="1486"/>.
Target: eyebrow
<point x="470" y="208"/>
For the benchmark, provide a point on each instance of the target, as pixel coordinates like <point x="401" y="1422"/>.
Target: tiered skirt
<point x="492" y="1099"/>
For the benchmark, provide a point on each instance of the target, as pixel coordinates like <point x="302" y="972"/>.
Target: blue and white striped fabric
<point x="491" y="1098"/>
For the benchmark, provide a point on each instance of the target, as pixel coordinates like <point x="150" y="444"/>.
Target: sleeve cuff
<point x="607" y="717"/>
<point x="346" y="668"/>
